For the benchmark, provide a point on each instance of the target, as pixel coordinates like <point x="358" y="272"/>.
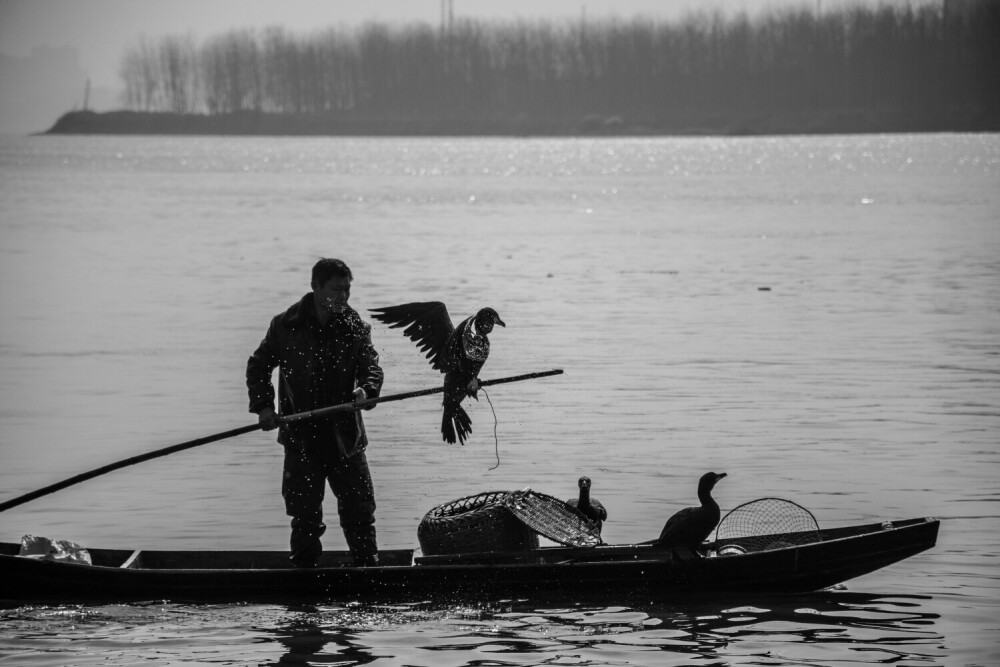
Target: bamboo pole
<point x="343" y="407"/>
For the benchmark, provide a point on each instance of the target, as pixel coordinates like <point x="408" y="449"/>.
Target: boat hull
<point x="617" y="572"/>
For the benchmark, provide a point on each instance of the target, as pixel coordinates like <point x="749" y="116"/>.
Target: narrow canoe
<point x="789" y="564"/>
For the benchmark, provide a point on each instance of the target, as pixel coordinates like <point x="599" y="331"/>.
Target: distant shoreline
<point x="268" y="124"/>
<point x="265" y="124"/>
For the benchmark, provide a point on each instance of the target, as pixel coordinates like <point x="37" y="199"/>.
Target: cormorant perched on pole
<point x="458" y="352"/>
<point x="692" y="525"/>
<point x="591" y="507"/>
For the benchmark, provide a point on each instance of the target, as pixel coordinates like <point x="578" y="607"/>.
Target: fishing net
<point x="553" y="518"/>
<point x="766" y="523"/>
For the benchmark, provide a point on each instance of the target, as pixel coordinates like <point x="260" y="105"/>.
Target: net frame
<point x="765" y="523"/>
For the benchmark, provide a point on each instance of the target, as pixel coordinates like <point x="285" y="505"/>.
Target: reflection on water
<point x="315" y="637"/>
<point x="826" y="628"/>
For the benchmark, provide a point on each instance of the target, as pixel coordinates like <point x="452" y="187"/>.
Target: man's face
<point x="332" y="296"/>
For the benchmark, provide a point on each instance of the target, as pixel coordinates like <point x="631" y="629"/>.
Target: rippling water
<point x="817" y="316"/>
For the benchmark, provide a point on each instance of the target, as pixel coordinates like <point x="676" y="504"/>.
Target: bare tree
<point x="930" y="60"/>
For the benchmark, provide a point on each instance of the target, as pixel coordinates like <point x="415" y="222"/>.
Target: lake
<point x="817" y="316"/>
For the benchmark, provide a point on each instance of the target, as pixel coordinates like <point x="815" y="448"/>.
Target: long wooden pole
<point x="360" y="405"/>
<point x="344" y="407"/>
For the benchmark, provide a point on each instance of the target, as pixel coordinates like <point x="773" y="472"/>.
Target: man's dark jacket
<point x="320" y="366"/>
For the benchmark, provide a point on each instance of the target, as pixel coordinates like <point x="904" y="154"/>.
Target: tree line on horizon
<point x="936" y="57"/>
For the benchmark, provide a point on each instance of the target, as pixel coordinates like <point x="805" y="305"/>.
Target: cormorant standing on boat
<point x="692" y="525"/>
<point x="458" y="352"/>
<point x="591" y="507"/>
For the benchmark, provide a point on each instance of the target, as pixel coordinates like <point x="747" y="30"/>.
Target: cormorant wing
<point x="427" y="324"/>
<point x="677" y="527"/>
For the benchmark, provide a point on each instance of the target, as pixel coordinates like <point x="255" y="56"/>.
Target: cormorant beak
<point x="500" y="322"/>
<point x="720" y="476"/>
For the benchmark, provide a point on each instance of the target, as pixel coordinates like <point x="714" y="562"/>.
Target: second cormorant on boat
<point x="591" y="507"/>
<point x="692" y="525"/>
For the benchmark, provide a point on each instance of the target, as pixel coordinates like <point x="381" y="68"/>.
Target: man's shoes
<point x="366" y="560"/>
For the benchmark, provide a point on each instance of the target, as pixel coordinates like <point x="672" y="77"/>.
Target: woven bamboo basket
<point x="474" y="524"/>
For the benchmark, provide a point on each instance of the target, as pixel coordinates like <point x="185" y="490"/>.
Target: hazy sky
<point x="100" y="30"/>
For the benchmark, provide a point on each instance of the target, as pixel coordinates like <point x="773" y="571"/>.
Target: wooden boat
<point x="787" y="564"/>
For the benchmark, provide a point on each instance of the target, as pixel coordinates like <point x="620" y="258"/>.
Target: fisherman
<point x="325" y="355"/>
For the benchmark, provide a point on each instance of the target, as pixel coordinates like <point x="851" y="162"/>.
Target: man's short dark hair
<point x="327" y="268"/>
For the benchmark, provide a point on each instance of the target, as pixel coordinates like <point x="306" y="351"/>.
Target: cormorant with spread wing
<point x="458" y="352"/>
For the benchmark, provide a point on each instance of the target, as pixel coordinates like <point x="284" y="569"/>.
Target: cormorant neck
<point x="705" y="496"/>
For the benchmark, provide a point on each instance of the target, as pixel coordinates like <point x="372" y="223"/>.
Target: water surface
<point x="816" y="316"/>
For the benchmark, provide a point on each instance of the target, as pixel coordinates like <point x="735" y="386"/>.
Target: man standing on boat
<point x="325" y="354"/>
